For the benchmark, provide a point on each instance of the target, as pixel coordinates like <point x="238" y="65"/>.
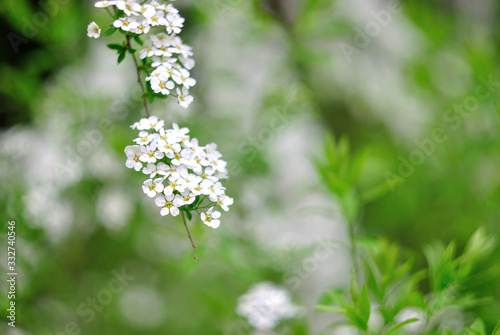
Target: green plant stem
<point x="189" y="235"/>
<point x="144" y="101"/>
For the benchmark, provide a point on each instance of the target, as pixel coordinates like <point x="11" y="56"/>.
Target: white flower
<point x="183" y="97"/>
<point x="213" y="191"/>
<point x="126" y="23"/>
<point x="147" y="11"/>
<point x="174" y="184"/>
<point x="133" y="153"/>
<point x="93" y="30"/>
<point x="170" y="9"/>
<point x="151" y="155"/>
<point x="142" y="28"/>
<point x="179" y="48"/>
<point x="153" y="170"/>
<point x="158" y="19"/>
<point x="144" y="138"/>
<point x="179" y="133"/>
<point x="174" y="23"/>
<point x="224" y="201"/>
<point x="188" y="197"/>
<point x="181" y="77"/>
<point x="152" y="187"/>
<point x="169" y="204"/>
<point x="165" y="61"/>
<point x="129" y="7"/>
<point x="187" y="62"/>
<point x="265" y="305"/>
<point x="148" y="51"/>
<point x="162" y="87"/>
<point x="211" y="218"/>
<point x="104" y="4"/>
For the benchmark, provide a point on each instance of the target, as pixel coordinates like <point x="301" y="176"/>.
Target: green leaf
<point x="332" y="309"/>
<point x="189" y="215"/>
<point x="399" y="325"/>
<point x="121" y="57"/>
<point x="131" y="50"/>
<point x="496" y="331"/>
<point x="333" y="297"/>
<point x="364" y="304"/>
<point x="353" y="288"/>
<point x="478" y="327"/>
<point x="109" y="32"/>
<point x="138" y="40"/>
<point x="355" y="318"/>
<point x="115" y="46"/>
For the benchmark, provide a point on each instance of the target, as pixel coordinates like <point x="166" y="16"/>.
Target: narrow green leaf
<point x="138" y="40"/>
<point x="353" y="288"/>
<point x="364" y="304"/>
<point x="121" y="57"/>
<point x="115" y="46"/>
<point x="496" y="331"/>
<point x="189" y="215"/>
<point x="109" y="31"/>
<point x="399" y="325"/>
<point x="355" y="318"/>
<point x="131" y="50"/>
<point x="331" y="309"/>
<point x="478" y="327"/>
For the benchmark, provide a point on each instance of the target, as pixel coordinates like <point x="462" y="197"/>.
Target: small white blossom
<point x="174" y="23"/>
<point x="152" y="187"/>
<point x="93" y="30"/>
<point x="211" y="218"/>
<point x="133" y="153"/>
<point x="170" y="204"/>
<point x="183" y="97"/>
<point x="224" y="202"/>
<point x="104" y="4"/>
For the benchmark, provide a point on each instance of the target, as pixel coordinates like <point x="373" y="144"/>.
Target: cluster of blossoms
<point x="169" y="60"/>
<point x="265" y="305"/>
<point x="182" y="175"/>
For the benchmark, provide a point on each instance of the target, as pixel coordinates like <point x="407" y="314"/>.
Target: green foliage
<point x="391" y="284"/>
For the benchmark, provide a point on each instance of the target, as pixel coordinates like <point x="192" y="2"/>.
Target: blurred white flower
<point x="93" y="30"/>
<point x="113" y="208"/>
<point x="411" y="313"/>
<point x="265" y="305"/>
<point x="142" y="306"/>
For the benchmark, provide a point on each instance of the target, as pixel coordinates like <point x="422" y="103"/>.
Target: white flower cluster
<point x="265" y="305"/>
<point x="169" y="56"/>
<point x="182" y="174"/>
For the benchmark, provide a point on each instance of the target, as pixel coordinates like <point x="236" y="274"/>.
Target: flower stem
<point x="189" y="235"/>
<point x="145" y="102"/>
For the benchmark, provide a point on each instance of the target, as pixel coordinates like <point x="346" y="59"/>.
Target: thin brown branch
<point x="189" y="235"/>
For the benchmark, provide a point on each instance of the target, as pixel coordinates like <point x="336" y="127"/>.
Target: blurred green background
<point x="274" y="76"/>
